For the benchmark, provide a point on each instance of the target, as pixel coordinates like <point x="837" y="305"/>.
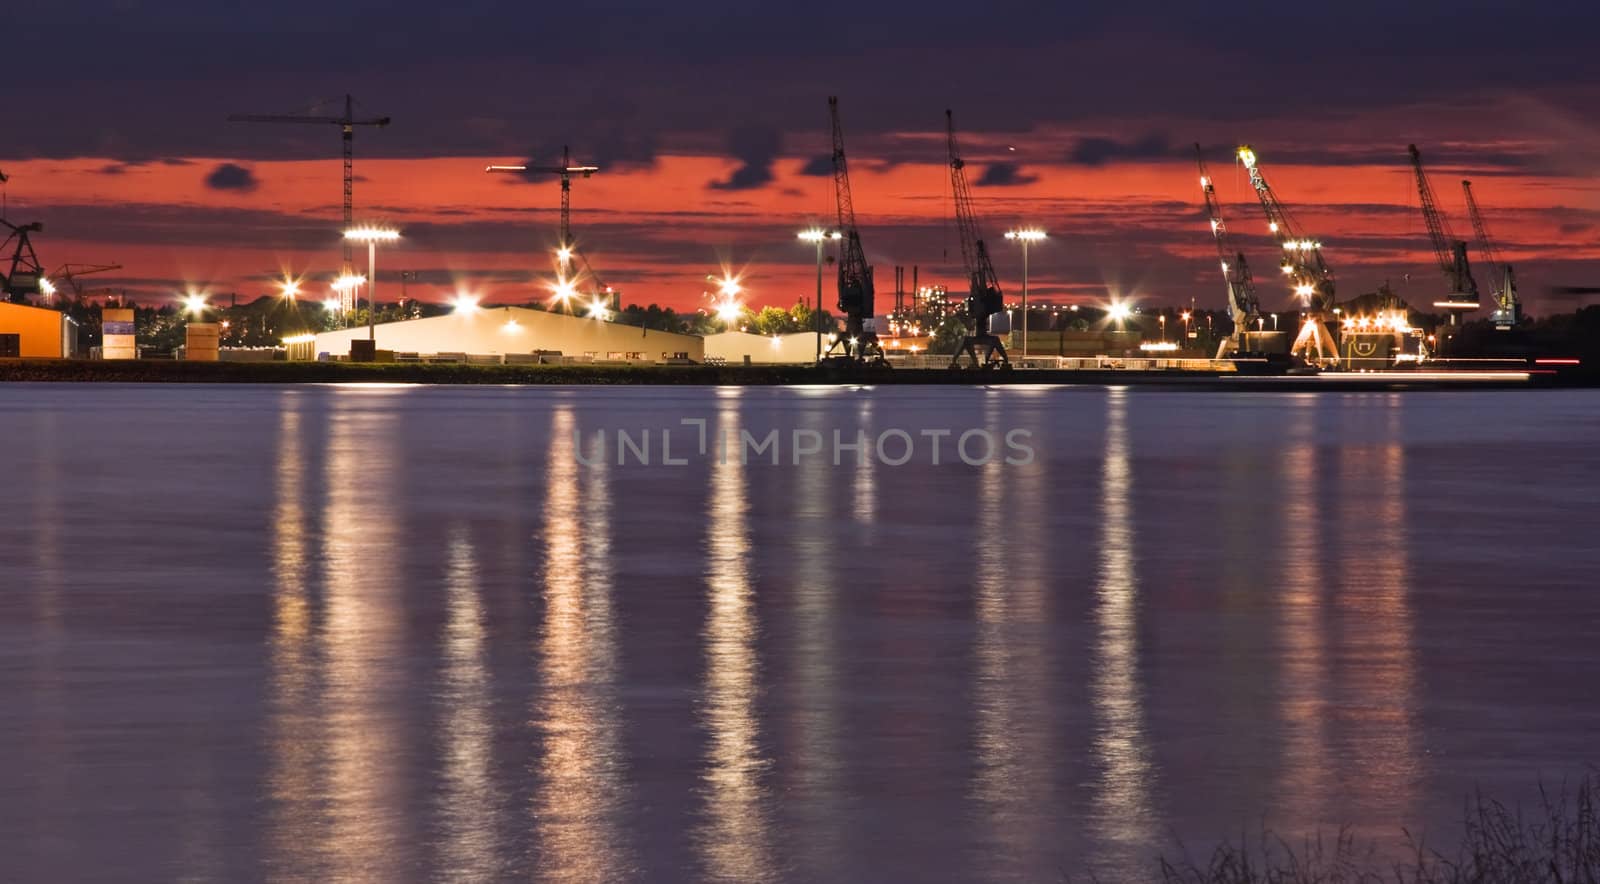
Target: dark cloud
<point x="113" y="169"/>
<point x="1004" y="175"/>
<point x="1098" y="150"/>
<point x="756" y="148"/>
<point x="818" y="166"/>
<point x="232" y="176"/>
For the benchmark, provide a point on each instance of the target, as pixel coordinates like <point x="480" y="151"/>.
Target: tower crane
<point x="856" y="294"/>
<point x="1450" y="252"/>
<point x="1507" y="308"/>
<point x="1243" y="305"/>
<point x="25" y="274"/>
<point x="983" y="295"/>
<point x="566" y="170"/>
<point x="347" y="123"/>
<point x="567" y="248"/>
<point x="1302" y="263"/>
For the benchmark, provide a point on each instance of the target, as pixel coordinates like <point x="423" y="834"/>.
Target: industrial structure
<point x="1243" y="305"/>
<point x="1507" y="308"/>
<point x="1309" y="275"/>
<point x="24" y="275"/>
<point x="983" y="295"/>
<point x="29" y="332"/>
<point x="856" y="295"/>
<point x="511" y="334"/>
<point x="567" y="247"/>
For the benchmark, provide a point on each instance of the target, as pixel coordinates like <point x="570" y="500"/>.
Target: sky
<point x="710" y="122"/>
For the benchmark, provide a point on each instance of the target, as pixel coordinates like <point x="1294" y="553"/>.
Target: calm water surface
<point x="395" y="634"/>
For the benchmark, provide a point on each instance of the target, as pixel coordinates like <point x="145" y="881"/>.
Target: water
<point x="397" y="634"/>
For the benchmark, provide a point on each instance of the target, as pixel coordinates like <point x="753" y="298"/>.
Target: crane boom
<point x="983" y="293"/>
<point x="1507" y="308"/>
<point x="347" y="123"/>
<point x="1243" y="304"/>
<point x="1311" y="277"/>
<point x="1450" y="252"/>
<point x="857" y="297"/>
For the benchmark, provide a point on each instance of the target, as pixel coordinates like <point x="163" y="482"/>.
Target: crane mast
<point x="1243" y="305"/>
<point x="856" y="294"/>
<point x="1309" y="275"/>
<point x="983" y="295"/>
<point x="1450" y="252"/>
<point x="1507" y="308"/>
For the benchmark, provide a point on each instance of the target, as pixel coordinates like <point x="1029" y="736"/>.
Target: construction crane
<point x="1450" y="252"/>
<point x="347" y="123"/>
<point x="566" y="170"/>
<point x="1243" y="305"/>
<point x="856" y="294"/>
<point x="983" y="295"/>
<point x="70" y="273"/>
<point x="25" y="276"/>
<point x="1309" y="275"/>
<point x="1507" y="308"/>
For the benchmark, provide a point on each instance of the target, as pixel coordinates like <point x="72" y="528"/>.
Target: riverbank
<point x="161" y="371"/>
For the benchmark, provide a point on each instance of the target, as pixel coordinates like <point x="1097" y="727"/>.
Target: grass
<point x="1557" y="842"/>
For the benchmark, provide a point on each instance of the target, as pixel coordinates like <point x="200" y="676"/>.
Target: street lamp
<point x="372" y="236"/>
<point x="346" y="286"/>
<point x="1025" y="236"/>
<point x="819" y="236"/>
<point x="1163" y="320"/>
<point x="194" y="304"/>
<point x="290" y="289"/>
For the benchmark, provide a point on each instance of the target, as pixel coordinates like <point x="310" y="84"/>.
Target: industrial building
<point x="735" y="348"/>
<point x="36" y="333"/>
<point x="510" y="332"/>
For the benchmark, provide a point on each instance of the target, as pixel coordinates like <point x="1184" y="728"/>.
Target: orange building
<point x="36" y="333"/>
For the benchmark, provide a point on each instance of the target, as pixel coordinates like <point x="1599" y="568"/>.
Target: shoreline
<point x="162" y="371"/>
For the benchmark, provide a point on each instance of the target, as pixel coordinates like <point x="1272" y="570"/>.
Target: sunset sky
<point x="709" y="121"/>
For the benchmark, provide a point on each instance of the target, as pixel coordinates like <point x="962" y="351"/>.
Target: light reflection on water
<point x="404" y="635"/>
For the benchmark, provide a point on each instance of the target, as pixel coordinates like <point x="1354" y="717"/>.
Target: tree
<point x="774" y="321"/>
<point x="948" y="336"/>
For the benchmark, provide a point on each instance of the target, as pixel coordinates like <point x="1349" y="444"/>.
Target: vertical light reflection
<point x="580" y="770"/>
<point x="361" y="637"/>
<point x="45" y="725"/>
<point x="1375" y="603"/>
<point x="470" y="849"/>
<point x="865" y="486"/>
<point x="292" y="728"/>
<point x="814" y="707"/>
<point x="1303" y="688"/>
<point x="734" y="838"/>
<point x="1014" y="771"/>
<point x="1124" y="821"/>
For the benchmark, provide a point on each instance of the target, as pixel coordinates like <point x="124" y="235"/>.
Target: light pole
<point x="372" y="236"/>
<point x="819" y="237"/>
<point x="1025" y="236"/>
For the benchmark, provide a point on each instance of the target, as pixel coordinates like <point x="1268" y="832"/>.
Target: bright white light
<point x="372" y="234"/>
<point x="729" y="311"/>
<point x="564" y="254"/>
<point x="348" y="281"/>
<point x="47" y="287"/>
<point x="511" y="327"/>
<point x="565" y="291"/>
<point x="814" y="235"/>
<point x="1029" y="234"/>
<point x="1119" y="311"/>
<point x="729" y="286"/>
<point x="465" y="303"/>
<point x="597" y="309"/>
<point x="1304" y="290"/>
<point x="333" y="305"/>
<point x="194" y="303"/>
<point x="290" y="288"/>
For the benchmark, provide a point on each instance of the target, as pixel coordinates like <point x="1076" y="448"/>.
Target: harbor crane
<point x="347" y="123"/>
<point x="25" y="276"/>
<point x="1243" y="305"/>
<point x="1302" y="263"/>
<point x="856" y="294"/>
<point x="1507" y="308"/>
<point x="1450" y="252"/>
<point x="983" y="295"/>
<point x="70" y="273"/>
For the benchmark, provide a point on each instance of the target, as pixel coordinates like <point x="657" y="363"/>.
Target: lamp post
<point x="819" y="237"/>
<point x="372" y="236"/>
<point x="1025" y="236"/>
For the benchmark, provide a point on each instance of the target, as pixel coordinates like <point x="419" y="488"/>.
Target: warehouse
<point x="735" y="347"/>
<point x="36" y="333"/>
<point x="508" y="332"/>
